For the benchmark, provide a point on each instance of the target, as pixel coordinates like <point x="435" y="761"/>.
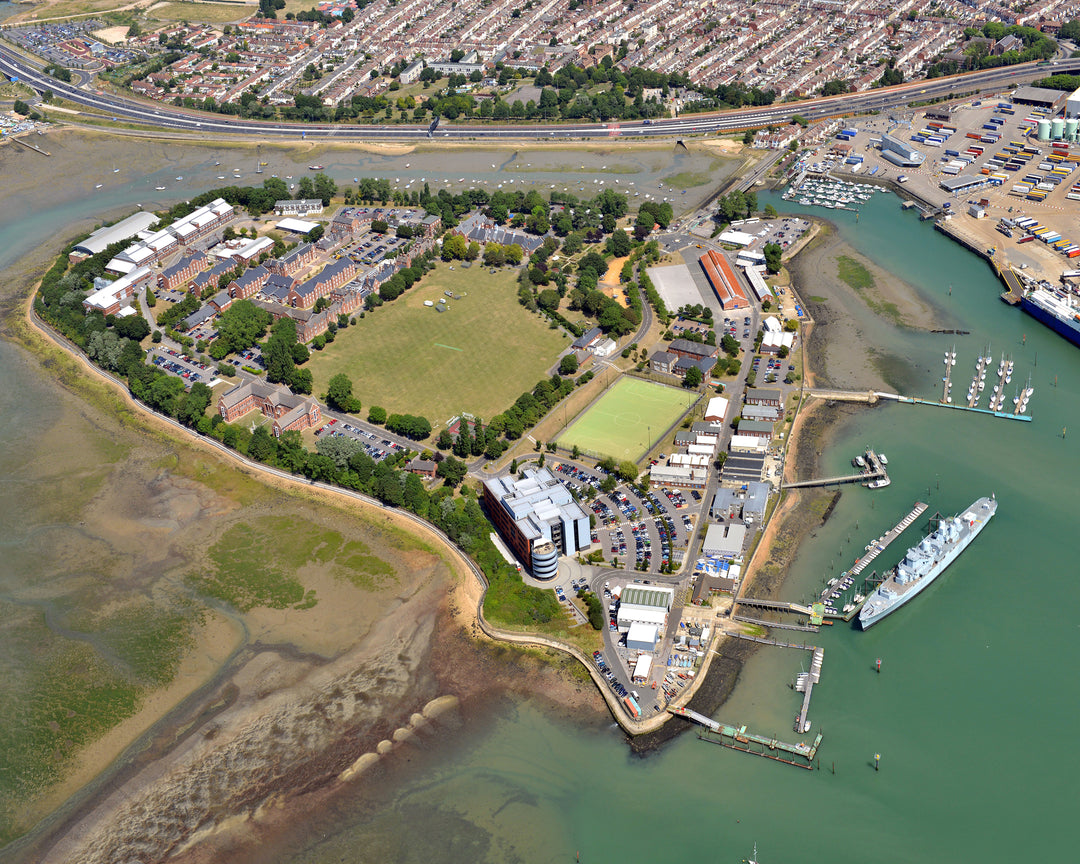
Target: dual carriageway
<point x="169" y="117"/>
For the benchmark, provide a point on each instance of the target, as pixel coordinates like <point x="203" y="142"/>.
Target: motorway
<point x="163" y="116"/>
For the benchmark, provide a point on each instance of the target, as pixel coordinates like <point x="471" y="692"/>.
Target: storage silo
<point x="1057" y="128"/>
<point x="1070" y="128"/>
<point x="1044" y="130"/>
<point x="545" y="560"/>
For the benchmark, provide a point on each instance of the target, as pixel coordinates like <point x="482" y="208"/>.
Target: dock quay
<point x="873" y="475"/>
<point x="882" y="543"/>
<point x="805" y="685"/>
<point x="804" y="628"/>
<point x="871" y="397"/>
<point x="738" y="738"/>
<point x="915" y="400"/>
<point x="778" y="605"/>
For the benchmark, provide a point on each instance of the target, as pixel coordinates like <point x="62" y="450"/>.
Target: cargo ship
<point x="925" y="561"/>
<point x="1056" y="309"/>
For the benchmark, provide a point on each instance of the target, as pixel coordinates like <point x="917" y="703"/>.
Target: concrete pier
<point x="883" y="542"/>
<point x="738" y="738"/>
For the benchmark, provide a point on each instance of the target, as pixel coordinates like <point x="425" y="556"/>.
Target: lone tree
<point x="568" y="365"/>
<point x="693" y="378"/>
<point x="339" y="394"/>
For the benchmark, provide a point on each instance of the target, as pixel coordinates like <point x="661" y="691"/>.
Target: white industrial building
<point x="737" y="238"/>
<point x="297" y="226"/>
<point x="716" y="410"/>
<point x="642" y="667"/>
<point x="102" y="238"/>
<point x="644" y="604"/>
<point x="1072" y="105"/>
<point x="642" y="636"/>
<point x="724" y="541"/>
<point x="748" y="444"/>
<point x="683" y="477"/>
<point x="757" y="282"/>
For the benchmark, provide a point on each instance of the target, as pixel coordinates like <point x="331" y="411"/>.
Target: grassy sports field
<point x="627" y="419"/>
<point x="478" y="356"/>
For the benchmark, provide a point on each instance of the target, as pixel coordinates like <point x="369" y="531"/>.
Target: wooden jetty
<point x="738" y="738"/>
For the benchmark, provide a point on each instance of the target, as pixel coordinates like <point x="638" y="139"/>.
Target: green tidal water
<point x="974" y="712"/>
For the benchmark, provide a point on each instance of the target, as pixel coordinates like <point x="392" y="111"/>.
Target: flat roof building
<point x="724" y="541"/>
<point x="899" y="152"/>
<point x="534" y="509"/>
<point x="102" y="238"/>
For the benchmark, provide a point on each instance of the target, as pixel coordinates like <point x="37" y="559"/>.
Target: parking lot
<point x="374" y="445"/>
<point x="772" y="367"/>
<point x="174" y="363"/>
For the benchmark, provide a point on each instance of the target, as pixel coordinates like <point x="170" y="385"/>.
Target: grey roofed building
<point x="705" y="364"/>
<point x="692" y="349"/>
<point x="663" y="361"/>
<point x="703" y="428"/>
<point x="199" y="316"/>
<point x="725" y="504"/>
<point x="757" y="500"/>
<point x="481" y="229"/>
<point x="102" y="238"/>
<point x="211" y="276"/>
<point x="277" y="287"/>
<point x="1042" y="97"/>
<point x="221" y="300"/>
<point x="760" y="412"/>
<point x="757" y="428"/>
<point x="764" y="396"/>
<point x="587" y="338"/>
<point x="684" y="438"/>
<point x="962" y="183"/>
<point x="724" y="541"/>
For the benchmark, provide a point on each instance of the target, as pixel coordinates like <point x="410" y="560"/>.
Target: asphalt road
<point x="170" y="117"/>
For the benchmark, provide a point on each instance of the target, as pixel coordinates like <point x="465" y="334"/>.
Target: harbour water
<point x="973" y="712"/>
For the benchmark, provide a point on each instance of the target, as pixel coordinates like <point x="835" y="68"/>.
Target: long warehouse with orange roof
<point x="724" y="281"/>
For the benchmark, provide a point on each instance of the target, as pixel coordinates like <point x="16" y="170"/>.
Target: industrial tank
<point x="1044" y="130"/>
<point x="1070" y="128"/>
<point x="1057" y="128"/>
<point x="545" y="560"/>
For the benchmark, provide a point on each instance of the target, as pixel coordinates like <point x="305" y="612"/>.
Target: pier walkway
<point x="869" y="396"/>
<point x="915" y="400"/>
<point x="882" y="543"/>
<point x="874" y="473"/>
<point x="805" y="628"/>
<point x="33" y="147"/>
<point x="778" y="605"/>
<point x="738" y="738"/>
<point x="872" y="397"/>
<point x="808" y="680"/>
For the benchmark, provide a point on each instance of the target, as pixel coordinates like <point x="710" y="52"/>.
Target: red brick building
<point x="182" y="272"/>
<point x="288" y="410"/>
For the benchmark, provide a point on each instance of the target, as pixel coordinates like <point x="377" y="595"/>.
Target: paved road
<point x="170" y="117"/>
